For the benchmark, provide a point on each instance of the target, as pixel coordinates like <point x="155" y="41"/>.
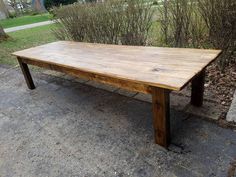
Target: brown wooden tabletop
<point x="169" y="68"/>
<point x="152" y="70"/>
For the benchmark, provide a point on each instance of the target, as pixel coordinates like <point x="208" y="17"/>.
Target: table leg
<point x="27" y="75"/>
<point x="198" y="89"/>
<point x="161" y="119"/>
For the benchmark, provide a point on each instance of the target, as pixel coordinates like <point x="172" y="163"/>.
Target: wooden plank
<point x="100" y="78"/>
<point x="197" y="92"/>
<point x="26" y="73"/>
<point x="170" y="68"/>
<point x="161" y="118"/>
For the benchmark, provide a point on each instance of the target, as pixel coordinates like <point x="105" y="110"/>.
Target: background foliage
<point x="112" y="22"/>
<point x="51" y="3"/>
<point x="200" y="24"/>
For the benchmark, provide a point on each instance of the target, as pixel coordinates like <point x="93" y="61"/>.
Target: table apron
<point x="126" y="84"/>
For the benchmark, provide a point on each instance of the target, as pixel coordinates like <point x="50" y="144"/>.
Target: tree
<point x="38" y="6"/>
<point x="3" y="35"/>
<point x="3" y="9"/>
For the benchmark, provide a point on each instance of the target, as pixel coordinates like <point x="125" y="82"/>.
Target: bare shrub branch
<point x="200" y="24"/>
<point x="111" y="22"/>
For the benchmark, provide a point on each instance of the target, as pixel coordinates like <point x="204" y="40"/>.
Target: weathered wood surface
<point x="91" y="76"/>
<point x="197" y="91"/>
<point x="27" y="75"/>
<point x="169" y="68"/>
<point x="161" y="117"/>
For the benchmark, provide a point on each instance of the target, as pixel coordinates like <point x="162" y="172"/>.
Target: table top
<point x="170" y="68"/>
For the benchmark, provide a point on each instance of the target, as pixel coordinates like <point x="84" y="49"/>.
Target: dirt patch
<point x="232" y="169"/>
<point x="4" y="38"/>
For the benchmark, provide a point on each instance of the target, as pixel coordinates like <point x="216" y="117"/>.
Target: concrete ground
<point x="231" y="116"/>
<point x="65" y="128"/>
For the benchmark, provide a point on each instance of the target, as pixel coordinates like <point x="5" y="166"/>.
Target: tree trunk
<point x="3" y="35"/>
<point x="38" y="6"/>
<point x="3" y="10"/>
<point x="165" y="21"/>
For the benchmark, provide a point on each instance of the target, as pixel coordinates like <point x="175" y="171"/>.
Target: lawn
<point x="24" y="20"/>
<point x="37" y="36"/>
<point x="24" y="39"/>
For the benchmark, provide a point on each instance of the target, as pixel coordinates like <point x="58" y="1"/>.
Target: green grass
<point x="24" y="20"/>
<point x="41" y="35"/>
<point x="24" y="39"/>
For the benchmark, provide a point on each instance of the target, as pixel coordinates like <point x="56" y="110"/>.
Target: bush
<point x="137" y="19"/>
<point x="200" y="24"/>
<point x="220" y="19"/>
<point x="55" y="3"/>
<point x="12" y="15"/>
<point x="155" y="3"/>
<point x="182" y="24"/>
<point x="111" y="22"/>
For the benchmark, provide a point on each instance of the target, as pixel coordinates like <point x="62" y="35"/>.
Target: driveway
<point x="65" y="128"/>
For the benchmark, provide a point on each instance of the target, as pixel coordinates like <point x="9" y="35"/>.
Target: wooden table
<point x="151" y="70"/>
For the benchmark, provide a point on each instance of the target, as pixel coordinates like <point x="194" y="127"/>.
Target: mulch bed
<point x="221" y="85"/>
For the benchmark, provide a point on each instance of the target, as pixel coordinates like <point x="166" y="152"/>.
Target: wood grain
<point x="27" y="75"/>
<point x="91" y="76"/>
<point x="197" y="91"/>
<point x="170" y="68"/>
<point x="161" y="118"/>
